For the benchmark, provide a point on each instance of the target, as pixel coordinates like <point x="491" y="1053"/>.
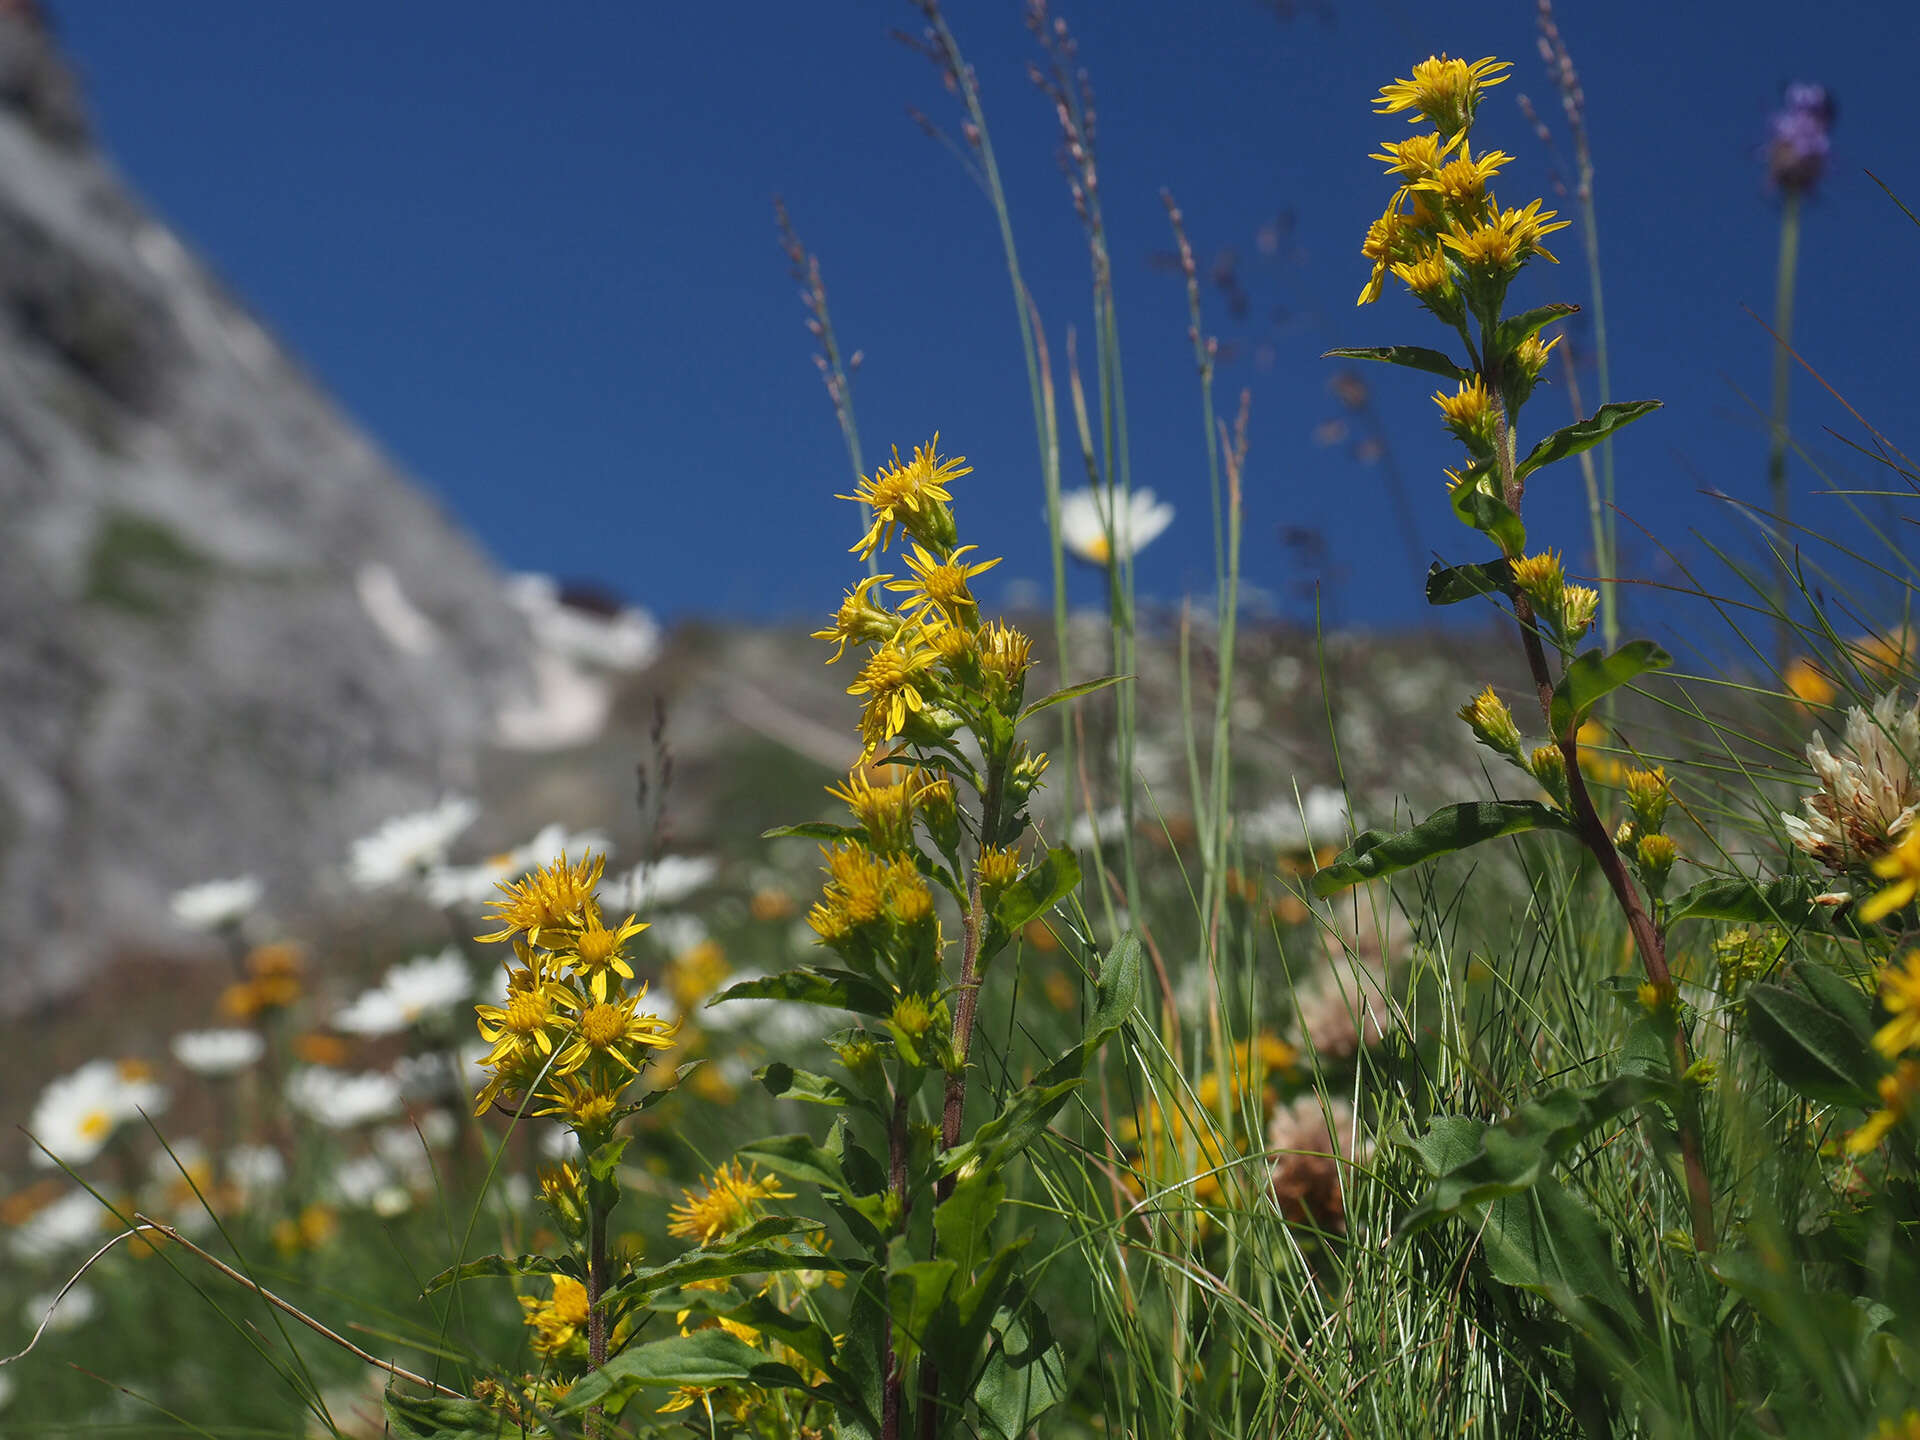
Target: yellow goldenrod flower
<point x="997" y="869"/>
<point x="1542" y="580"/>
<point x="1492" y="723"/>
<point x="596" y="952"/>
<point x="1896" y="1096"/>
<point x="310" y="1230"/>
<point x="893" y="680"/>
<point x="1461" y="183"/>
<point x="555" y="1322"/>
<point x="1901" y="865"/>
<point x="1443" y="91"/>
<point x="940" y="585"/>
<point x="1006" y="654"/>
<point x="1504" y="240"/>
<point x="617" y="1031"/>
<point x="1390" y="239"/>
<point x="1900" y="998"/>
<point x="1431" y="282"/>
<point x="581" y="1104"/>
<point x="1470" y="415"/>
<point x="1907" y="1427"/>
<point x="1414" y="159"/>
<point x="1530" y="356"/>
<point x="912" y="497"/>
<point x="1657" y="854"/>
<point x="859" y="621"/>
<point x="912" y="1015"/>
<point x="885" y="812"/>
<point x="724" y="1204"/>
<point x="696" y="973"/>
<point x="562" y="1188"/>
<point x="532" y="1020"/>
<point x="1648" y="795"/>
<point x="1548" y="765"/>
<point x="1578" y="605"/>
<point x="1808" y="683"/>
<point x="685" y="1397"/>
<point x="555" y="897"/>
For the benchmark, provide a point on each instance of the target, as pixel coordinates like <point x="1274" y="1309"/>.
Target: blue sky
<point x="532" y="250"/>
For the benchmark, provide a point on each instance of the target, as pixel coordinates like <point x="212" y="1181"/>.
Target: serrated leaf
<point x="1069" y="692"/>
<point x="1375" y="854"/>
<point x="1413" y="357"/>
<point x="1450" y="584"/>
<point x="1506" y="1158"/>
<point x="706" y="1357"/>
<point x="1490" y="516"/>
<point x="1592" y="675"/>
<point x="1821" y="1045"/>
<point x="1025" y="1376"/>
<point x="499" y="1266"/>
<point x="833" y="989"/>
<point x="1585" y="434"/>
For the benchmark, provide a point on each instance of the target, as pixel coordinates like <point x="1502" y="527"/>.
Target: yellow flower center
<point x="95" y="1124"/>
<point x="602" y="1025"/>
<point x="595" y="947"/>
<point x="527" y="1013"/>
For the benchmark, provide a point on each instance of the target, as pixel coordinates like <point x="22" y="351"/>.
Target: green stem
<point x="596" y="1288"/>
<point x="1782" y="374"/>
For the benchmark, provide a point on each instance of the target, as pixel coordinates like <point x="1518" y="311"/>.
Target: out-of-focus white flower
<point x="403" y="623"/>
<point x="391" y="1201"/>
<point x="628" y="639"/>
<point x="69" y="1311"/>
<point x="217" y="903"/>
<point x="408" y="845"/>
<point x="560" y="1143"/>
<point x="1136" y="524"/>
<point x="1100" y="828"/>
<point x="355" y="1182"/>
<point x="402" y="1148"/>
<point x="256" y="1169"/>
<point x="341" y="1101"/>
<point x="550" y="842"/>
<point x="1869" y="794"/>
<point x="77" y="1114"/>
<point x="678" y="933"/>
<point x="465" y="886"/>
<point x="425" y="985"/>
<point x="736" y="1014"/>
<point x="1318" y="817"/>
<point x="218" y="1052"/>
<point x="6" y="1391"/>
<point x="567" y="706"/>
<point x="666" y="881"/>
<point x="788" y="1026"/>
<point x="72" y="1222"/>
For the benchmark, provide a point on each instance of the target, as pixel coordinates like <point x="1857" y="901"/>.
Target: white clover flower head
<point x="217" y="903"/>
<point x="1137" y="523"/>
<point x="70" y="1223"/>
<point x="218" y="1052"/>
<point x="341" y="1101"/>
<point x="406" y="846"/>
<point x="1869" y="793"/>
<point x="409" y="992"/>
<point x="666" y="881"/>
<point x="1312" y="1141"/>
<point x="77" y="1114"/>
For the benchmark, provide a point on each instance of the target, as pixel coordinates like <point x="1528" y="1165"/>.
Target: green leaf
<point x="1025" y="1376"/>
<point x="1787" y="901"/>
<point x="783" y="1082"/>
<point x="1505" y="1159"/>
<point x="1490" y="516"/>
<point x="440" y="1417"/>
<point x="1450" y="584"/>
<point x="718" y="1263"/>
<point x="1014" y="1128"/>
<point x="1592" y="675"/>
<point x="1584" y="435"/>
<point x="1375" y="854"/>
<point x="1819" y="1043"/>
<point x="833" y="989"/>
<point x="1414" y="357"/>
<point x="706" y="1357"/>
<point x="1116" y="993"/>
<point x="1516" y="328"/>
<point x="500" y="1266"/>
<point x="798" y="1158"/>
<point x="815" y="830"/>
<point x="965" y="1218"/>
<point x="1039" y="890"/>
<point x="1069" y="692"/>
<point x="915" y="1292"/>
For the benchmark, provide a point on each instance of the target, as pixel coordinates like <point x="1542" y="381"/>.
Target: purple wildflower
<point x="1799" y="138"/>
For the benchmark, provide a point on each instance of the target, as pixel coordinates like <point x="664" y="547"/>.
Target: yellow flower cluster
<point x="571" y="1035"/>
<point x="933" y="640"/>
<point x="1900" y="998"/>
<point x="729" y="1201"/>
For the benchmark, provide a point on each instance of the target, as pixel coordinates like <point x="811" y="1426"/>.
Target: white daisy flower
<point x="72" y="1222"/>
<point x="256" y="1169"/>
<point x="1318" y="817"/>
<point x="1869" y="794"/>
<point x="218" y="903"/>
<point x="68" y="1312"/>
<point x="77" y="1114"/>
<point x="678" y="933"/>
<point x="341" y="1101"/>
<point x="453" y="887"/>
<point x="625" y="639"/>
<point x="1083" y="523"/>
<point x="1100" y="828"/>
<point x="425" y="985"/>
<point x="218" y="1052"/>
<point x="408" y="845"/>
<point x="666" y="881"/>
<point x="355" y="1182"/>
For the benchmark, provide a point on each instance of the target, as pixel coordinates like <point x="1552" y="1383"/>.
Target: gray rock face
<point x="193" y="683"/>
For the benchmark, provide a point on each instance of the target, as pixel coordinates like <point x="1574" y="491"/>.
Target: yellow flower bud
<point x="1492" y="724"/>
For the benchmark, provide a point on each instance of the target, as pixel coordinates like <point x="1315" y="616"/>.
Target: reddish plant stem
<point x="893" y="1402"/>
<point x="596" y="1312"/>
